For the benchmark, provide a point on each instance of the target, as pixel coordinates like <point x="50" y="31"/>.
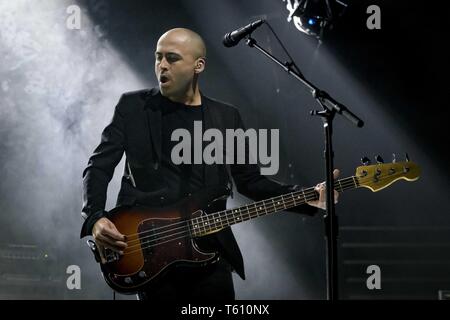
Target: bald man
<point x="141" y="127"/>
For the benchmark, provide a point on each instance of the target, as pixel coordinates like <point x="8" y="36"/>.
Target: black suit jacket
<point x="136" y="130"/>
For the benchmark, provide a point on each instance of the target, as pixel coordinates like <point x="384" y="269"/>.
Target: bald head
<point x="179" y="60"/>
<point x="191" y="41"/>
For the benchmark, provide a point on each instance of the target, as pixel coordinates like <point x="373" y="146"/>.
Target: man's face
<point x="175" y="65"/>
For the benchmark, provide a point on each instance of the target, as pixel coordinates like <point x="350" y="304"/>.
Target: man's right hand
<point x="106" y="235"/>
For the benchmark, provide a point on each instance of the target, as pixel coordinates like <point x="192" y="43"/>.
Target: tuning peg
<point x="365" y="161"/>
<point x="379" y="159"/>
<point x="394" y="160"/>
<point x="406" y="157"/>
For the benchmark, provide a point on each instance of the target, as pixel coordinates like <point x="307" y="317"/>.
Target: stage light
<point x="313" y="17"/>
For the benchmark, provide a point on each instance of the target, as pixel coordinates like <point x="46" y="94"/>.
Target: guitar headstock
<point x="381" y="175"/>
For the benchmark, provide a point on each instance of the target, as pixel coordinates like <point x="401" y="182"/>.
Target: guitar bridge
<point x="111" y="256"/>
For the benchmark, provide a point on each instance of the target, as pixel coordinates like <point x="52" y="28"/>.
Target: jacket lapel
<point x="212" y="119"/>
<point x="208" y="121"/>
<point x="153" y="112"/>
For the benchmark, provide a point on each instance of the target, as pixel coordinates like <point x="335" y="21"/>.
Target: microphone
<point x="232" y="38"/>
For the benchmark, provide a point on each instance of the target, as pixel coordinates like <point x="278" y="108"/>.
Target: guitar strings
<point x="249" y="214"/>
<point x="249" y="211"/>
<point x="309" y="195"/>
<point x="296" y="193"/>
<point x="186" y="231"/>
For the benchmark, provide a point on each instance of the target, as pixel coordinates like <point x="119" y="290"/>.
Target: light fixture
<point x="313" y="17"/>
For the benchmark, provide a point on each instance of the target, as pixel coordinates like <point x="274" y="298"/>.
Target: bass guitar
<point x="162" y="238"/>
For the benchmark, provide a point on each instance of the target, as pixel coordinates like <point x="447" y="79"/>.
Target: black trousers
<point x="212" y="283"/>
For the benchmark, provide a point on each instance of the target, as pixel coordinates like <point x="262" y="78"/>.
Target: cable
<point x="291" y="62"/>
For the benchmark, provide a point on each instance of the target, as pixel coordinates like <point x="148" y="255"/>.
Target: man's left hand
<point x="321" y="189"/>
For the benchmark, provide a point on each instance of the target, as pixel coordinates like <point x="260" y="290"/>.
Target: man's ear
<point x="200" y="65"/>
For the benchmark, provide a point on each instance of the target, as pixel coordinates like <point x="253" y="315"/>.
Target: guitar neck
<point x="217" y="221"/>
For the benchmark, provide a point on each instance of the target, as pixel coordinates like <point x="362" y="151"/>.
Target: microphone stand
<point x="330" y="108"/>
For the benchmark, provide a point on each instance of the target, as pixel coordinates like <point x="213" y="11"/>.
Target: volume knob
<point x="128" y="280"/>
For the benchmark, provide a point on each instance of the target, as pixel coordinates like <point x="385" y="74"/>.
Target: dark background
<point x="393" y="78"/>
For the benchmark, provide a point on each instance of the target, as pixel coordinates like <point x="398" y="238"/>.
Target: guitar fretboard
<point x="217" y="221"/>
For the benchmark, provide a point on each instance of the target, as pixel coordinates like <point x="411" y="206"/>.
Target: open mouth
<point x="163" y="79"/>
